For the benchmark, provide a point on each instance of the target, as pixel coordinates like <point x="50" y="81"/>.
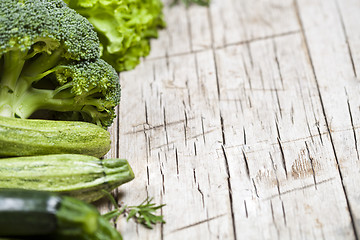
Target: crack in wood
<point x="230" y="192"/>
<point x="288" y="141"/>
<point x="177" y="162"/>
<point x="189" y="138"/>
<point x="198" y="223"/>
<point x="244" y="133"/>
<point x="246" y="164"/>
<point x="319" y="133"/>
<point x="278" y="63"/>
<point x="276" y="176"/>
<point x="246" y="72"/>
<point x="308" y="127"/>
<point x="283" y="211"/>
<point x="147" y="175"/>
<point x="244" y="42"/>
<point x="222" y="129"/>
<point x="311" y="163"/>
<point x="304" y="108"/>
<point x="146" y="114"/>
<point x="255" y="188"/>
<point x="162" y="174"/>
<point x="277" y="130"/>
<point x="217" y="75"/>
<point x="282" y="157"/>
<point x="202" y="129"/>
<point x="195" y="150"/>
<point x="262" y="79"/>
<point x="278" y="100"/>
<point x="298" y="189"/>
<point x="352" y="125"/>
<point x="246" y="210"/>
<point x="185" y="136"/>
<point x="202" y="195"/>
<point x="161" y="214"/>
<point x="147" y="127"/>
<point x="346" y="37"/>
<point x="273" y="219"/>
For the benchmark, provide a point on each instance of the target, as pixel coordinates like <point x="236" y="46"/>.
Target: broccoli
<point x="49" y="60"/>
<point x="124" y="27"/>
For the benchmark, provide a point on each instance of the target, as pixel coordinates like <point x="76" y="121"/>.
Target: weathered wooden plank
<point x="277" y="143"/>
<point x="242" y="20"/>
<point x="244" y="122"/>
<point x="176" y="37"/>
<point x="173" y="129"/>
<point x="329" y="48"/>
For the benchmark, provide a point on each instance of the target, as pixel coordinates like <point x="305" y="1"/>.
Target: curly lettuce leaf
<point x="124" y="27"/>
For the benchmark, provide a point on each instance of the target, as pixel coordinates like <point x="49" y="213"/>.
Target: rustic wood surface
<point x="244" y="120"/>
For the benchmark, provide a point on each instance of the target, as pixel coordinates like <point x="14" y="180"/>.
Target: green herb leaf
<point x="144" y="213"/>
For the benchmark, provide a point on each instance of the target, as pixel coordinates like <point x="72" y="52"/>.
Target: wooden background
<point x="244" y="121"/>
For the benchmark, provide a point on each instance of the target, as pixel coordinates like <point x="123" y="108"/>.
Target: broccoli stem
<point x="19" y="75"/>
<point x="13" y="64"/>
<point x="42" y="63"/>
<point x="36" y="99"/>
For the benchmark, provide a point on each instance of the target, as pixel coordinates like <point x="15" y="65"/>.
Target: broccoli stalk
<point x="49" y="60"/>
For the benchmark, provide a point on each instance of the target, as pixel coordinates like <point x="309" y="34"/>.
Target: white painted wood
<point x="244" y="120"/>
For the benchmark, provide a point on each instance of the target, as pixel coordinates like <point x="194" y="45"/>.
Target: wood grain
<point x="244" y="120"/>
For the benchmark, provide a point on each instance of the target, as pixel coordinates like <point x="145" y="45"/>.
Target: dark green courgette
<point x="80" y="176"/>
<point x="38" y="215"/>
<point x="30" y="137"/>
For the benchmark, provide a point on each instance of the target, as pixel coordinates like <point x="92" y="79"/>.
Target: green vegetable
<point x="27" y="137"/>
<point x="49" y="60"/>
<point x="144" y="213"/>
<point x="80" y="176"/>
<point x="124" y="27"/>
<point x="44" y="215"/>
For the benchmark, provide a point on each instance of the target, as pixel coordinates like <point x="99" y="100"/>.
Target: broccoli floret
<point x="124" y="27"/>
<point x="49" y="60"/>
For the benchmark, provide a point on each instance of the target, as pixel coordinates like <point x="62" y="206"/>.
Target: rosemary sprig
<point x="144" y="213"/>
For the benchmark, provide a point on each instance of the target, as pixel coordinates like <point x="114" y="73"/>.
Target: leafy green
<point x="124" y="27"/>
<point x="144" y="213"/>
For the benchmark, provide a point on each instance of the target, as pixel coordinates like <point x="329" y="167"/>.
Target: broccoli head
<point x="124" y="27"/>
<point x="49" y="60"/>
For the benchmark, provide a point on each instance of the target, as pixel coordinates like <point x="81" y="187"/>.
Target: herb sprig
<point x="144" y="213"/>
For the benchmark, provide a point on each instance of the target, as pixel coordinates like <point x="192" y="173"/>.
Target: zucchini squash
<point x="30" y="137"/>
<point x="26" y="214"/>
<point x="80" y="176"/>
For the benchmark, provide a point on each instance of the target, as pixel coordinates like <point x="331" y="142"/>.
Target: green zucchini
<point x="29" y="137"/>
<point x="81" y="176"/>
<point x="26" y="214"/>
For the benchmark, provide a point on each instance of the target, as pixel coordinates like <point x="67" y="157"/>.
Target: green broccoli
<point x="49" y="60"/>
<point x="124" y="27"/>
